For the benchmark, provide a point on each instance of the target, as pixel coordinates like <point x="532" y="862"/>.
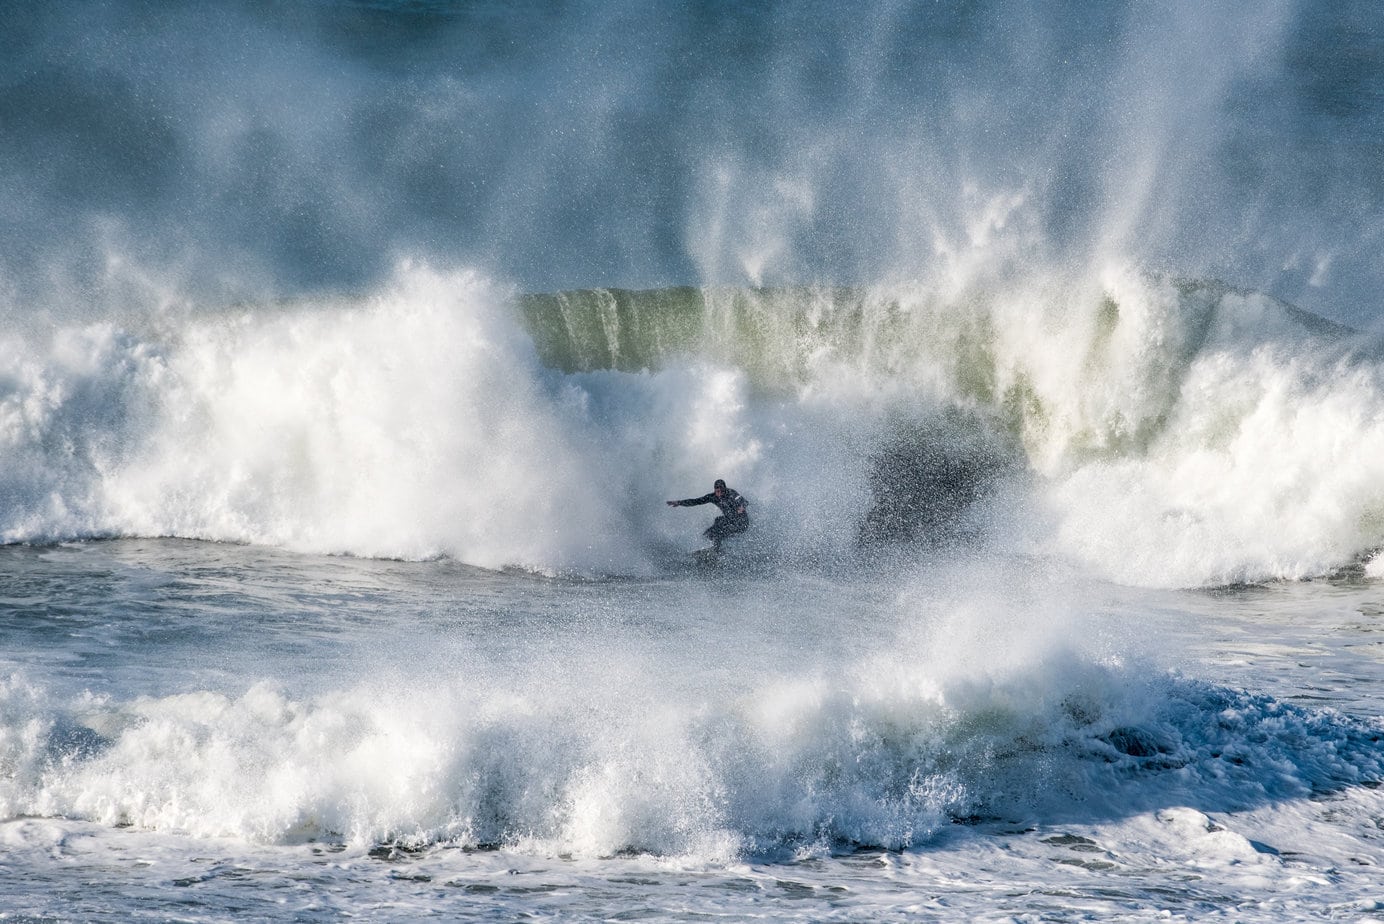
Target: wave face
<point x="1155" y="431"/>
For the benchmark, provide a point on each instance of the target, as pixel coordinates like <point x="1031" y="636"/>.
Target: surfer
<point x="733" y="518"/>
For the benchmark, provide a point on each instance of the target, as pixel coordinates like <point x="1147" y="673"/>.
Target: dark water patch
<point x="790" y="889"/>
<point x="399" y="852"/>
<point x="1136" y="742"/>
<point x="397" y="876"/>
<point x="69" y="741"/>
<point x="638" y="914"/>
<point x="1072" y="841"/>
<point x="928" y="476"/>
<point x="1093" y="865"/>
<point x="475" y="888"/>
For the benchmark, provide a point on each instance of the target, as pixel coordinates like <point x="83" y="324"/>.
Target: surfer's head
<point x="719" y="487"/>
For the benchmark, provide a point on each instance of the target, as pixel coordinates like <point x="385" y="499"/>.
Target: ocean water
<point x="350" y="351"/>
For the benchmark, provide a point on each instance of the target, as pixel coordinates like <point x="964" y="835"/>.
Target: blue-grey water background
<point x="349" y="352"/>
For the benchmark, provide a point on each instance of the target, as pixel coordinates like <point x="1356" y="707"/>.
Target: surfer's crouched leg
<point x="722" y="528"/>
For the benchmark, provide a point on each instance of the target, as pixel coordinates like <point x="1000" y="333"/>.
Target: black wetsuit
<point x="734" y="518"/>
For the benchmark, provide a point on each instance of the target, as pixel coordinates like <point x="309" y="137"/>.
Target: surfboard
<point x="706" y="558"/>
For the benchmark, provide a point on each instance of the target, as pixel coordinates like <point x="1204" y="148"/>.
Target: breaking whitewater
<point x="1061" y="600"/>
<point x="1154" y="432"/>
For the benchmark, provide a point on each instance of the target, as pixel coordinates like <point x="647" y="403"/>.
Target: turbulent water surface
<point x="351" y="350"/>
